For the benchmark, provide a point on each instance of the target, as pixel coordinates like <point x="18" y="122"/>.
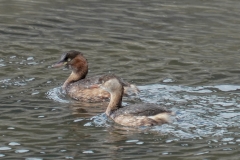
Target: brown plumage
<point x="133" y="115"/>
<point x="77" y="85"/>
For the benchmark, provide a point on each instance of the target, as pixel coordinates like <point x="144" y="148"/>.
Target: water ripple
<point x="193" y="105"/>
<point x="187" y="50"/>
<point x="57" y="95"/>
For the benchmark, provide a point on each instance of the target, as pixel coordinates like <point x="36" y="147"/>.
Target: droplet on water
<point x="30" y="58"/>
<point x="132" y="141"/>
<point x="21" y="151"/>
<point x="4" y="148"/>
<point x="14" y="144"/>
<point x="88" y="152"/>
<point x="227" y="139"/>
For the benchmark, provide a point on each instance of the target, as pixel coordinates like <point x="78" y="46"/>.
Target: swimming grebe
<point x="133" y="115"/>
<point x="76" y="85"/>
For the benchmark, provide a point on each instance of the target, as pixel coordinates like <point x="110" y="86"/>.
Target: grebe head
<point x="66" y="58"/>
<point x="111" y="84"/>
<point x="72" y="59"/>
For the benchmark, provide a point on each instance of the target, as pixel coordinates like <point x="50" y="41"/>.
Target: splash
<point x="56" y="95"/>
<point x="205" y="111"/>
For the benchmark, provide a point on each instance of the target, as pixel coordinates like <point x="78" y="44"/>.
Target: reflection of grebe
<point x="133" y="115"/>
<point x="76" y="85"/>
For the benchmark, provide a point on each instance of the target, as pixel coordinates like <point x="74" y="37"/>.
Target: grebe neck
<point x="79" y="68"/>
<point x="115" y="102"/>
<point x="74" y="76"/>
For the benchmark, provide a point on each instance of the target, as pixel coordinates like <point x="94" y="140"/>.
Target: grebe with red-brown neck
<point x="77" y="85"/>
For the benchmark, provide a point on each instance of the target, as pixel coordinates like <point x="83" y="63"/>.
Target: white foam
<point x="56" y="95"/>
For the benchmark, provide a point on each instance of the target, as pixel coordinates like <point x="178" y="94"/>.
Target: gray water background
<point x="182" y="54"/>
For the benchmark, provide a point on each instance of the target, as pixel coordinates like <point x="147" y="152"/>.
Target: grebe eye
<point x="69" y="59"/>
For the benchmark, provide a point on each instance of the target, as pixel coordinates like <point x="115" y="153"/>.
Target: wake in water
<point x="205" y="111"/>
<point x="200" y="111"/>
<point x="57" y="95"/>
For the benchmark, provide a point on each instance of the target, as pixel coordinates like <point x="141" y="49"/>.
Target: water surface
<point x="182" y="55"/>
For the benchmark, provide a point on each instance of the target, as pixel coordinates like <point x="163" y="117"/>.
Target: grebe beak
<point x="59" y="64"/>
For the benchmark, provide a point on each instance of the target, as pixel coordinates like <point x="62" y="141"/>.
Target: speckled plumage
<point x="133" y="115"/>
<point x="77" y="85"/>
<point x="146" y="109"/>
<point x="138" y="115"/>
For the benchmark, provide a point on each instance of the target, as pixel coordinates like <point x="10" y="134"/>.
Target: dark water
<point x="182" y="54"/>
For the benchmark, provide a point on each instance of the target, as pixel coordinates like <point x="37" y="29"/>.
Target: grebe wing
<point x="142" y="110"/>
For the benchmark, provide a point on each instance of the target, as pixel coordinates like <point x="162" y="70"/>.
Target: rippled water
<point x="183" y="55"/>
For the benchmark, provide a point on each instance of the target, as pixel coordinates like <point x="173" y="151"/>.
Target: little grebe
<point x="77" y="86"/>
<point x="133" y="115"/>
